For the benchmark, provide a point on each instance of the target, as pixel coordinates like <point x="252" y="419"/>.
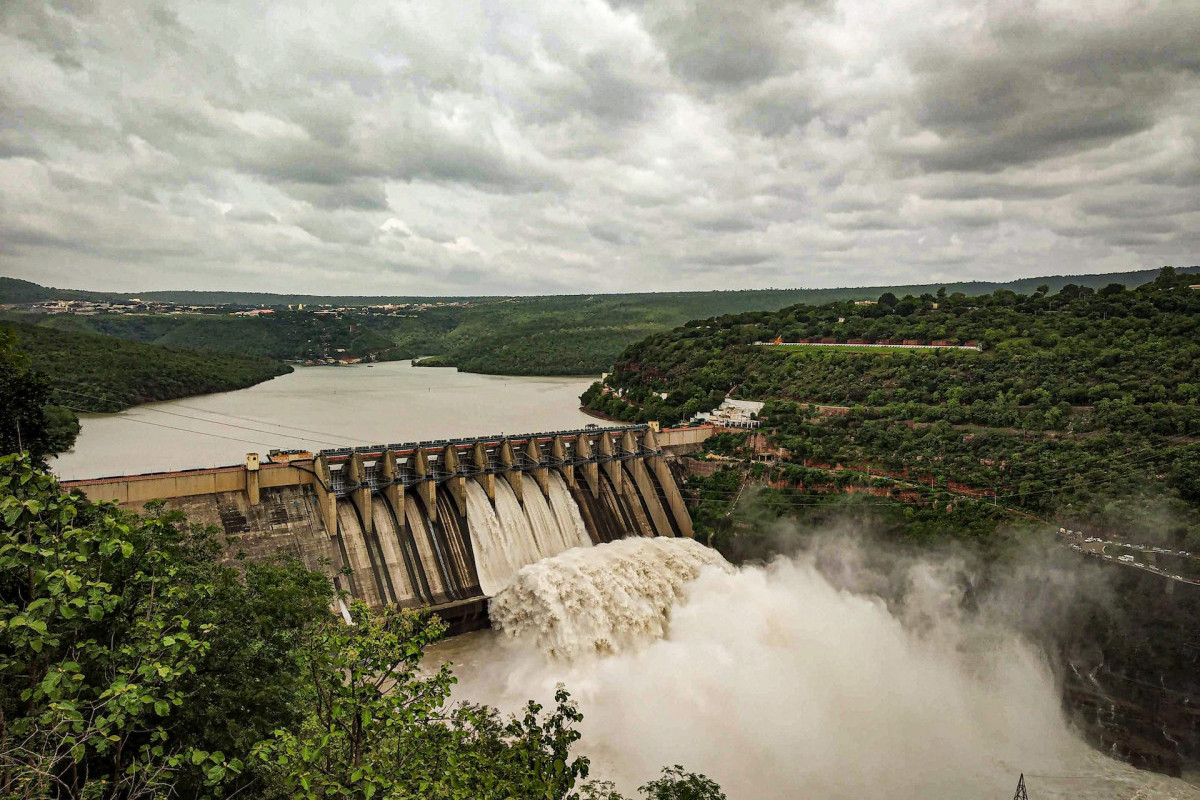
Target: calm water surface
<point x="320" y="407"/>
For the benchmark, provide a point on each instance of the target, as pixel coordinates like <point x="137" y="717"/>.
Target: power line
<point x="217" y="422"/>
<point x="185" y="430"/>
<point x="273" y="424"/>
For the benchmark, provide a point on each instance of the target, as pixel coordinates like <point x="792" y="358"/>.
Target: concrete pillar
<point x="457" y="484"/>
<point x="426" y="489"/>
<point x="252" y="478"/>
<point x="533" y="449"/>
<point x="486" y="479"/>
<point x="558" y="449"/>
<point x="590" y="470"/>
<point x="393" y="490"/>
<point x="356" y="476"/>
<point x="645" y="487"/>
<point x="507" y="460"/>
<point x="666" y="480"/>
<point x="326" y="499"/>
<point x="613" y="468"/>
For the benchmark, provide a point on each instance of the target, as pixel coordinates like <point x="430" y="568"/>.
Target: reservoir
<point x="317" y="408"/>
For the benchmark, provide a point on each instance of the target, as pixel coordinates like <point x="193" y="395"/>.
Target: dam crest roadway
<point x="434" y="524"/>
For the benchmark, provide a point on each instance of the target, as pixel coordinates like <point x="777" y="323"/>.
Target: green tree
<point x="1185" y="474"/>
<point x="28" y="421"/>
<point x="377" y="726"/>
<point x="95" y="641"/>
<point x="677" y="784"/>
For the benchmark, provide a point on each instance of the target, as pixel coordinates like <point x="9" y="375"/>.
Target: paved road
<point x="1096" y="547"/>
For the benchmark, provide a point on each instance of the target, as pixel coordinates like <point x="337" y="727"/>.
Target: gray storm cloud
<point x="663" y="144"/>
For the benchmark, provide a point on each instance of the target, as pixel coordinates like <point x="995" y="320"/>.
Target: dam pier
<point x="435" y="524"/>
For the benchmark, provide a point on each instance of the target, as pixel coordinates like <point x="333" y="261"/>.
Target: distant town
<point x="135" y="305"/>
<point x="308" y="334"/>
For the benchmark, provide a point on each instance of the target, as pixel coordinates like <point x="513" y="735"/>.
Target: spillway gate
<point x="441" y="523"/>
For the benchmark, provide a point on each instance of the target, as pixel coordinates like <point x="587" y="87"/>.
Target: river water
<point x="320" y="407"/>
<point x="781" y="681"/>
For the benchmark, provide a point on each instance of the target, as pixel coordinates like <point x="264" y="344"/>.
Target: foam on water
<point x="602" y="599"/>
<point x="779" y="684"/>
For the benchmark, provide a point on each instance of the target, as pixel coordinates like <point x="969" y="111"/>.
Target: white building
<point x="733" y="414"/>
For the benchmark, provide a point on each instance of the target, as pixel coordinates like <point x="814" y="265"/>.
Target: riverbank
<point x="598" y="415"/>
<point x="95" y="373"/>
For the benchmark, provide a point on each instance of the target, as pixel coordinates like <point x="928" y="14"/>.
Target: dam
<point x="442" y="524"/>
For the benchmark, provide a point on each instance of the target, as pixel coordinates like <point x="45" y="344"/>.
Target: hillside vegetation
<point x="15" y="290"/>
<point x="100" y="373"/>
<point x="1084" y="405"/>
<point x="553" y="335"/>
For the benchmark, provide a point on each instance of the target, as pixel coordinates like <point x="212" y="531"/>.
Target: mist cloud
<point x="831" y="674"/>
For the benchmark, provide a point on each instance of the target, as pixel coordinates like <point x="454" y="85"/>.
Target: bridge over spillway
<point x="441" y="524"/>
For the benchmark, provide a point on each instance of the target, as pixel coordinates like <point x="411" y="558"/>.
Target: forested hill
<point x="1129" y="353"/>
<point x="552" y="335"/>
<point x="101" y="373"/>
<point x="1082" y="403"/>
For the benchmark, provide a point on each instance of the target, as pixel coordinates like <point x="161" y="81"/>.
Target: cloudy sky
<point x="543" y="146"/>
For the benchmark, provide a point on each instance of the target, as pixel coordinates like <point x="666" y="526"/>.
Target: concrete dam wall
<point x="442" y="525"/>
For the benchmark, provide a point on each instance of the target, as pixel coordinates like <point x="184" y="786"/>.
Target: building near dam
<point x="732" y="414"/>
<point x="439" y="524"/>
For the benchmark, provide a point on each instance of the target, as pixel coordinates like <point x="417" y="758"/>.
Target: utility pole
<point x="1020" y="793"/>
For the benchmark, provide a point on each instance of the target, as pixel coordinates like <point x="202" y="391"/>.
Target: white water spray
<point x="566" y="513"/>
<point x="602" y="599"/>
<point x="780" y="685"/>
<point x="509" y="537"/>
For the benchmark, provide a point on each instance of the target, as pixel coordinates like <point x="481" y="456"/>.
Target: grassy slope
<point x="100" y="373"/>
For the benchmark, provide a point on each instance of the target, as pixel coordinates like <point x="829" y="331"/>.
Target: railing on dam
<point x="438" y="461"/>
<point x="463" y="443"/>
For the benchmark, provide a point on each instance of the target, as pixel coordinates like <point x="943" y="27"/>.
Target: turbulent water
<point x="603" y="600"/>
<point x="509" y="537"/>
<point x="779" y="684"/>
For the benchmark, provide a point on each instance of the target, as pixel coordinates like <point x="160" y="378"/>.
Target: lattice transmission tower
<point x="1020" y="793"/>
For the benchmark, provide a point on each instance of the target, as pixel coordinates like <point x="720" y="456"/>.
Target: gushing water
<point x="603" y="599"/>
<point x="541" y="519"/>
<point x="509" y="537"/>
<point x="491" y="543"/>
<point x="779" y="684"/>
<point x="566" y="512"/>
